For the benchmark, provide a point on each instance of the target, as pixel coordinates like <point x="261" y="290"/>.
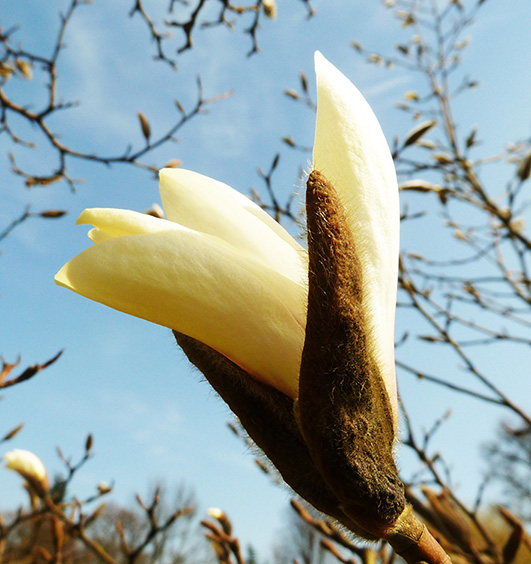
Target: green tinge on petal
<point x="209" y="206"/>
<point x="351" y="151"/>
<point x="202" y="287"/>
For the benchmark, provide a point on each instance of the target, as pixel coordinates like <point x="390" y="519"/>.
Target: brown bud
<point x="304" y="82"/>
<point x="443" y="158"/>
<point x="426" y="143"/>
<point x="175" y="163"/>
<point x="404" y="49"/>
<point x="43" y="180"/>
<point x="144" y="125"/>
<point x="52" y="214"/>
<point x="289" y="141"/>
<point x="524" y="168"/>
<point x="415" y="134"/>
<point x="471" y="139"/>
<point x="292" y="93"/>
<point x="12" y="433"/>
<point x="89" y="442"/>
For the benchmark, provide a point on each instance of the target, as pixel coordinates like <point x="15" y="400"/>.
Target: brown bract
<point x="267" y="416"/>
<point x="344" y="410"/>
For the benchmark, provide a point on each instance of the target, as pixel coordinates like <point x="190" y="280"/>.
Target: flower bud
<point x="30" y="467"/>
<point x="223" y="519"/>
<point x="270" y="8"/>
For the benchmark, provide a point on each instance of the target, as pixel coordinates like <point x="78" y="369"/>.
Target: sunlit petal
<point x="202" y="287"/>
<point x="209" y="206"/>
<point x="24" y="461"/>
<point x="109" y="223"/>
<point x="29" y="466"/>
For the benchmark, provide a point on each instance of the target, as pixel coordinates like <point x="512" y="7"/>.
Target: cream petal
<point x="98" y="235"/>
<point x="26" y="463"/>
<point x="202" y="287"/>
<point x="351" y="151"/>
<point x="110" y="223"/>
<point x="209" y="206"/>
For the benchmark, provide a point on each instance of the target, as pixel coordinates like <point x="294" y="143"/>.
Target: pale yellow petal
<point x="351" y="151"/>
<point x="98" y="235"/>
<point x="26" y="463"/>
<point x="209" y="206"/>
<point x="109" y="223"/>
<point x="202" y="287"/>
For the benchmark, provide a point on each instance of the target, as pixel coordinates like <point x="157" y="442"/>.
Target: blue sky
<point x="124" y="379"/>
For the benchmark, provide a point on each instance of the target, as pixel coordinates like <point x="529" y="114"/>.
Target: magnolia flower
<point x="300" y="344"/>
<point x="30" y="467"/>
<point x="219" y="269"/>
<point x="222" y="271"/>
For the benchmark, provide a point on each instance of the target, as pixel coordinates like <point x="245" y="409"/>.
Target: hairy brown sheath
<point x="345" y="414"/>
<point x="267" y="416"/>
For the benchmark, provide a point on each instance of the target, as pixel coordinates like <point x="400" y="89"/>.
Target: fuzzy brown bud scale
<point x="345" y="413"/>
<point x="267" y="416"/>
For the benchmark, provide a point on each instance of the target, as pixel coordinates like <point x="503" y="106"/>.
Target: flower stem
<point x="412" y="540"/>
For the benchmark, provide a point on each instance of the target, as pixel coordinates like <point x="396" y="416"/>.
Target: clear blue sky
<point x="124" y="379"/>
